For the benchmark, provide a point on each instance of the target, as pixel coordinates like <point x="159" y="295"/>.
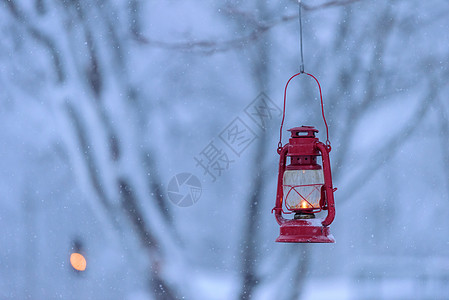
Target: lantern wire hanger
<point x="301" y="66"/>
<point x="301" y="71"/>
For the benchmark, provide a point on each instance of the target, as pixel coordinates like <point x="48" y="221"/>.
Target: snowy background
<point x="102" y="102"/>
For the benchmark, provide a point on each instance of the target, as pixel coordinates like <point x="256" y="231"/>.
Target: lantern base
<point x="304" y="231"/>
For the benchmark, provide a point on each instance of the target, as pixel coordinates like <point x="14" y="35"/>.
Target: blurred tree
<point x="86" y="53"/>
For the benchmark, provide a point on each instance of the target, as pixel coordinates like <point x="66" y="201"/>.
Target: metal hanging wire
<point x="301" y="71"/>
<point x="301" y="66"/>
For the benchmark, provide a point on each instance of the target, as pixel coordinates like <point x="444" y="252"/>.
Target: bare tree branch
<point x="41" y="37"/>
<point x="328" y="4"/>
<point x="130" y="204"/>
<point x="444" y="137"/>
<point x="251" y="236"/>
<point x="371" y="83"/>
<point x="86" y="153"/>
<point x="388" y="149"/>
<point x="210" y="47"/>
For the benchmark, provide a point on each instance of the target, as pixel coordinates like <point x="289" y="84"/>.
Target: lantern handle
<point x="328" y="143"/>
<point x="280" y="194"/>
<point x="329" y="189"/>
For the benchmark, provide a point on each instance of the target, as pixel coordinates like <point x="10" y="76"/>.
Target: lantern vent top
<point x="303" y="131"/>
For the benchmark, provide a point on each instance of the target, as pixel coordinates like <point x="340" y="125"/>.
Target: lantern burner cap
<point x="303" y="131"/>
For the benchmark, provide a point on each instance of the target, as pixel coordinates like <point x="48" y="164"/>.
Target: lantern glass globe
<point x="302" y="189"/>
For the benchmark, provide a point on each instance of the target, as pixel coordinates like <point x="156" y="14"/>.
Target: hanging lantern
<point x="304" y="185"/>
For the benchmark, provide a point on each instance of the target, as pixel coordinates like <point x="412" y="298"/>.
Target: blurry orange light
<point x="78" y="261"/>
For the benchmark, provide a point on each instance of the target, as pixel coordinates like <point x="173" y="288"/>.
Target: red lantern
<point x="304" y="186"/>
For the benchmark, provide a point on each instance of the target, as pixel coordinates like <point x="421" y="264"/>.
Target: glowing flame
<point x="304" y="204"/>
<point x="78" y="261"/>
